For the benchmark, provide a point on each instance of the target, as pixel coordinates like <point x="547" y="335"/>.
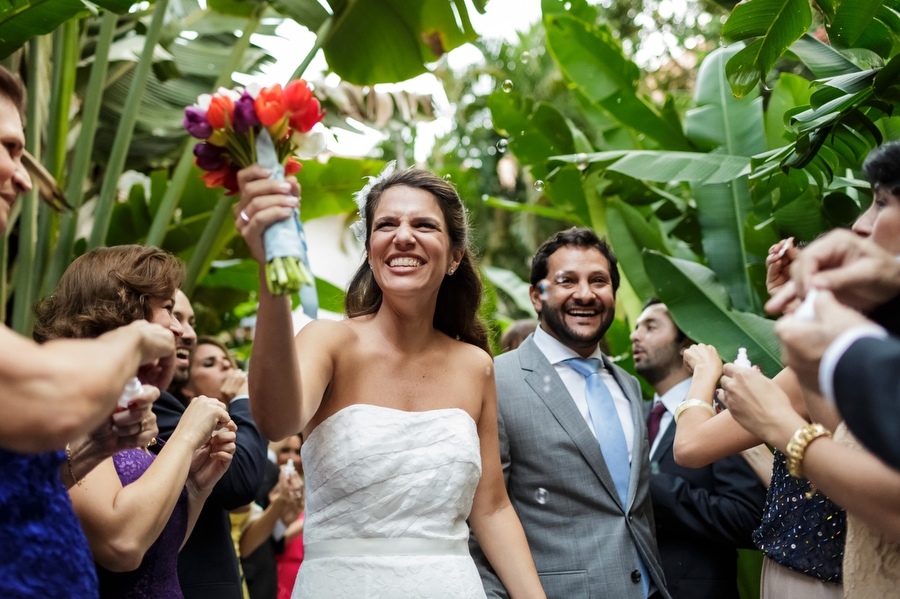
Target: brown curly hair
<point x="107" y="288"/>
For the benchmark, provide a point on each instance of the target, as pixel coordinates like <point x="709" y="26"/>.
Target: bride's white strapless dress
<point x="388" y="494"/>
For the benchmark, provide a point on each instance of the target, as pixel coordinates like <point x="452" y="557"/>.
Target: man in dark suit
<point x="207" y="564"/>
<point x="572" y="441"/>
<point x="702" y="515"/>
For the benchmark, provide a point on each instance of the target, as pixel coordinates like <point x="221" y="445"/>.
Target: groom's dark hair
<point x="579" y="237"/>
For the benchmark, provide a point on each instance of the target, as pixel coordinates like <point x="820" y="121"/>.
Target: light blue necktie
<point x="607" y="426"/>
<point x="608" y="429"/>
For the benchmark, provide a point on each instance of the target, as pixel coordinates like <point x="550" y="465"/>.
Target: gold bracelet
<point x="71" y="469"/>
<point x="796" y="447"/>
<point x="693" y="403"/>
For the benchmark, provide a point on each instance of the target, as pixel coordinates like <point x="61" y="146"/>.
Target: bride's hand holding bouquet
<point x="258" y="134"/>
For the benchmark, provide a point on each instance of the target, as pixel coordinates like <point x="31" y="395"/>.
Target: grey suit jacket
<point x="584" y="542"/>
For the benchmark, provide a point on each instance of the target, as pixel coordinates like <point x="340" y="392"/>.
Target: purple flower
<point x="195" y="122"/>
<point x="244" y="114"/>
<point x="209" y="157"/>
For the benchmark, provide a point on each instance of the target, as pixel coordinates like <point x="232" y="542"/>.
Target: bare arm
<point x="852" y="477"/>
<point x="700" y="437"/>
<point x="493" y="519"/>
<point x="122" y="522"/>
<point x="281" y="402"/>
<point x="54" y="393"/>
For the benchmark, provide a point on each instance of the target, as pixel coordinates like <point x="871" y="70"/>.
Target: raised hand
<point x="157" y="341"/>
<point x="212" y="460"/>
<point x="860" y="273"/>
<point x="778" y="264"/>
<point x="804" y="341"/>
<point x="263" y="201"/>
<point x="759" y="405"/>
<point x="134" y="426"/>
<point x="235" y="384"/>
<point x="703" y="360"/>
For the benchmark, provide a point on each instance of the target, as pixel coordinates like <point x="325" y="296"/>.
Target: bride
<point x="397" y="403"/>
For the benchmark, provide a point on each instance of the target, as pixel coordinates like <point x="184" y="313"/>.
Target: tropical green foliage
<point x="119" y="77"/>
<point x="693" y="193"/>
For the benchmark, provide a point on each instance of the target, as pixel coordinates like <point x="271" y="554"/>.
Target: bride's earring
<point x="451" y="271"/>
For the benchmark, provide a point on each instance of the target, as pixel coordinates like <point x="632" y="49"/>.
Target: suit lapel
<point x="541" y="376"/>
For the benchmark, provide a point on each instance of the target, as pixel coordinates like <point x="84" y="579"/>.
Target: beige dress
<point x="871" y="562"/>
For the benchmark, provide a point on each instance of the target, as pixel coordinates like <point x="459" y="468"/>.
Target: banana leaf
<point x="700" y="306"/>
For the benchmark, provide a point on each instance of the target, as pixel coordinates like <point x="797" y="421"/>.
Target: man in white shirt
<point x="703" y="515"/>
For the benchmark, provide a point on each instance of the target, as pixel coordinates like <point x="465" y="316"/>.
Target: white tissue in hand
<point x="132" y="389"/>
<point x="807" y="308"/>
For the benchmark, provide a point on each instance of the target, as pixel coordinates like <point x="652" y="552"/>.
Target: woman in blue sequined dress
<point x="137" y="509"/>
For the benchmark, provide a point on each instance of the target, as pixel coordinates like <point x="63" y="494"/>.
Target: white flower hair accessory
<point x="362" y="196"/>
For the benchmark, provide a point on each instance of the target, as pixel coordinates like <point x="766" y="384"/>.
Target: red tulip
<point x="292" y="166"/>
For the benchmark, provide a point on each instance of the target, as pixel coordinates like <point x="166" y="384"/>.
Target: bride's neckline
<point x="398" y="410"/>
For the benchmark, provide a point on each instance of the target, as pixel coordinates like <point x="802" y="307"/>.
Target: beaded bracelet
<point x="71" y="469"/>
<point x="693" y="403"/>
<point x="796" y="447"/>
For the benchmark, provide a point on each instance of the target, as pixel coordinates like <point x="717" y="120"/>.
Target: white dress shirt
<point x="575" y="383"/>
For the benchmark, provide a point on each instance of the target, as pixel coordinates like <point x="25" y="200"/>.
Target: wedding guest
<point x="289" y="559"/>
<point x="516" y="333"/>
<point x="396" y="403"/>
<point x="137" y="509"/>
<point x="703" y="515"/>
<point x="208" y="563"/>
<point x="51" y="395"/>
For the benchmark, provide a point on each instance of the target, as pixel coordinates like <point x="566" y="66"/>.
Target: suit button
<point x="635" y="576"/>
<point x="631" y="517"/>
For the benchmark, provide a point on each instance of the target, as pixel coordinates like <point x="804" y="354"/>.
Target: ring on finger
<point x="244" y="217"/>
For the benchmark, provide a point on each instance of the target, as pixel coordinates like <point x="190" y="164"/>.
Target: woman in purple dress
<point x="137" y="509"/>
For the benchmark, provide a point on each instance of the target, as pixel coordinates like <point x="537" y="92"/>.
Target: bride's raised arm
<point x="282" y="403"/>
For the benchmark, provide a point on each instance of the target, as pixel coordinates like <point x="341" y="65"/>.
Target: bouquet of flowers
<point x="272" y="127"/>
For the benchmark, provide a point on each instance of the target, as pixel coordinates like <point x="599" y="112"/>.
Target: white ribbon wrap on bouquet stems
<point x="285" y="239"/>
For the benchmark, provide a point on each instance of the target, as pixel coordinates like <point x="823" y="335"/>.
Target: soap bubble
<point x="541" y="495"/>
<point x="502" y="145"/>
<point x="507" y="86"/>
<point x="539" y="185"/>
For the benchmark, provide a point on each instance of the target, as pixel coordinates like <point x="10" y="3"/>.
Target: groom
<point x="572" y="441"/>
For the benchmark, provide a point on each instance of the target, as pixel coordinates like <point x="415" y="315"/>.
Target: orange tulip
<point x="269" y="104"/>
<point x="220" y="112"/>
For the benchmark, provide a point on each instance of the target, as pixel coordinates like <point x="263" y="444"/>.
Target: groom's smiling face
<point x="576" y="302"/>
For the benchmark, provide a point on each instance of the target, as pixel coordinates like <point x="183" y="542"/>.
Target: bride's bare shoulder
<point x="328" y="331"/>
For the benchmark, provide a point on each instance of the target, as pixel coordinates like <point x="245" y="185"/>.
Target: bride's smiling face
<point x="409" y="247"/>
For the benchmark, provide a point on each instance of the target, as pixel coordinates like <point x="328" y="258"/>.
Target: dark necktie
<point x="653" y="421"/>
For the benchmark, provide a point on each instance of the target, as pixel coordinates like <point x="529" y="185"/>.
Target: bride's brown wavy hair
<point x="459" y="297"/>
<point x="107" y="288"/>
